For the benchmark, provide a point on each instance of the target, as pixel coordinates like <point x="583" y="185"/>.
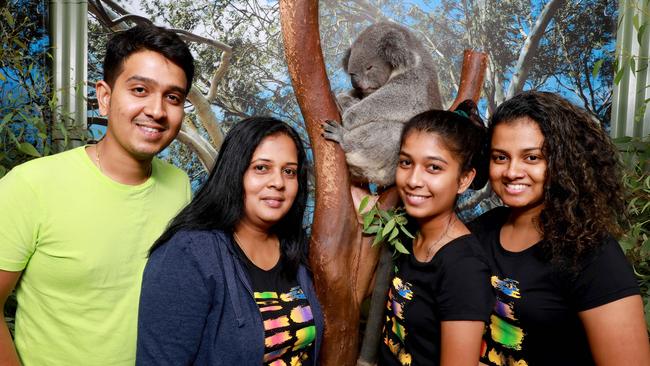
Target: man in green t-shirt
<point x="75" y="227"/>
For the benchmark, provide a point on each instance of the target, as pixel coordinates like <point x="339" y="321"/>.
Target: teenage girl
<point x="440" y="297"/>
<point x="565" y="293"/>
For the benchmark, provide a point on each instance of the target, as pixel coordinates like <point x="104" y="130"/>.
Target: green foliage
<point x="636" y="240"/>
<point x="26" y="106"/>
<point x="386" y="225"/>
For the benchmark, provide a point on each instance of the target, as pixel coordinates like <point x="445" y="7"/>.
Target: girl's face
<point x="517" y="165"/>
<point x="428" y="176"/>
<point x="271" y="181"/>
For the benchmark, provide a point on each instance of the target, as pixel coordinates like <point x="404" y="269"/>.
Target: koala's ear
<point x="394" y="48"/>
<point x="346" y="59"/>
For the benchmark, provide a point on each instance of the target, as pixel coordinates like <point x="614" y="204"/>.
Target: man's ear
<point x="465" y="180"/>
<point x="103" y="91"/>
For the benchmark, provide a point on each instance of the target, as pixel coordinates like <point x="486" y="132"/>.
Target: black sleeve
<point x="465" y="292"/>
<point x="607" y="277"/>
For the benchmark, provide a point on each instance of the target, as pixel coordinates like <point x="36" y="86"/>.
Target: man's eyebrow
<point x="155" y="82"/>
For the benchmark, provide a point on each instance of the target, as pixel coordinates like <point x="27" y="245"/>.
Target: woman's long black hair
<point x="219" y="203"/>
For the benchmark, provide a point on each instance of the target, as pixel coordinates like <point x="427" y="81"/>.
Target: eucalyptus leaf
<point x="28" y="149"/>
<point x="389" y="226"/>
<point x="364" y="203"/>
<point x="400" y="248"/>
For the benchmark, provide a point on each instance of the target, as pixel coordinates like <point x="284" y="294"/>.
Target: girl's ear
<point x="465" y="180"/>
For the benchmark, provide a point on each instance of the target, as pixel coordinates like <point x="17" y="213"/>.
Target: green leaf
<point x="641" y="33"/>
<point x="619" y="75"/>
<point x="389" y="226"/>
<point x="3" y="171"/>
<point x="372" y="229"/>
<point x="385" y="215"/>
<point x="399" y="247"/>
<point x="364" y="203"/>
<point x="378" y="238"/>
<point x="633" y="65"/>
<point x="406" y="232"/>
<point x="367" y="220"/>
<point x="20" y="43"/>
<point x="597" y="67"/>
<point x="393" y="234"/>
<point x="635" y="22"/>
<point x="9" y="18"/>
<point x="28" y="149"/>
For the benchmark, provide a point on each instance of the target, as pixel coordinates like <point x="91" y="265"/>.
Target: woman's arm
<point x="174" y="305"/>
<point x="617" y="332"/>
<point x="460" y="342"/>
<point x="8" y="356"/>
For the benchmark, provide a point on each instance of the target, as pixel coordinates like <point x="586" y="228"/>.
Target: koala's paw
<point x="345" y="101"/>
<point x="333" y="131"/>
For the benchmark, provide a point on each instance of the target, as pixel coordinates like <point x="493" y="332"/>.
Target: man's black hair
<point x="147" y="37"/>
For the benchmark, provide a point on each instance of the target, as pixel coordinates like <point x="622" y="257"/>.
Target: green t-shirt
<point x="81" y="240"/>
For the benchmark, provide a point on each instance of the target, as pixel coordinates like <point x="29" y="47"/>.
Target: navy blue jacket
<point x="197" y="305"/>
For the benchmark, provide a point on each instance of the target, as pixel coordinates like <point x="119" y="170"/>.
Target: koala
<point x="393" y="79"/>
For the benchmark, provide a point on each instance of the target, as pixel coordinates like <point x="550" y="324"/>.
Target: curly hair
<point x="583" y="193"/>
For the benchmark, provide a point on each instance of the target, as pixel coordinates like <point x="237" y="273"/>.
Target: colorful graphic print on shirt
<point x="504" y="335"/>
<point x="289" y="327"/>
<point x="395" y="333"/>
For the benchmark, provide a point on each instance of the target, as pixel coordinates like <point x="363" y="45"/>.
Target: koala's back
<point x="373" y="124"/>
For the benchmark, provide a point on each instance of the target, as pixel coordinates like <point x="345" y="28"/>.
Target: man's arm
<point x="8" y="355"/>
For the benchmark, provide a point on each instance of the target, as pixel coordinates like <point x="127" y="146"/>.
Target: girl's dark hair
<point x="462" y="131"/>
<point x="219" y="203"/>
<point x="583" y="192"/>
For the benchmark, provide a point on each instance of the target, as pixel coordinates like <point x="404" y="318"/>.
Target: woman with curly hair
<point x="565" y="293"/>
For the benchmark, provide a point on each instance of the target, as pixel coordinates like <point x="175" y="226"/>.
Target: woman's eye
<point x="404" y="163"/>
<point x="534" y="158"/>
<point x="499" y="157"/>
<point x="290" y="172"/>
<point x="261" y="168"/>
<point x="434" y="167"/>
<point x="138" y="90"/>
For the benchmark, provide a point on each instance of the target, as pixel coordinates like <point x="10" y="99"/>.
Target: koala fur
<point x="393" y="79"/>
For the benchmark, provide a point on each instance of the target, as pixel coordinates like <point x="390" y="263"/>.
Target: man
<point x="76" y="227"/>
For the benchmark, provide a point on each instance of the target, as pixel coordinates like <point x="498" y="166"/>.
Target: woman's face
<point x="428" y="176"/>
<point x="517" y="165"/>
<point x="271" y="181"/>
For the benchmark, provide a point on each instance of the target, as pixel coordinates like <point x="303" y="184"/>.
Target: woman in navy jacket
<point x="227" y="283"/>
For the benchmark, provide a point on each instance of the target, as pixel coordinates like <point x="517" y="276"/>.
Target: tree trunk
<point x="531" y="46"/>
<point x="341" y="257"/>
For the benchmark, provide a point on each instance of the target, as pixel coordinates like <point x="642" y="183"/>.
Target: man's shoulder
<point x="168" y="170"/>
<point x="45" y="166"/>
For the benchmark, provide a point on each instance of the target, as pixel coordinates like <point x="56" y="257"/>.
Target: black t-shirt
<point x="535" y="318"/>
<point x="454" y="285"/>
<point x="289" y="329"/>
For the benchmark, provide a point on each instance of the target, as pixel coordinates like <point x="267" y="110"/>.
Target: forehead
<point x="522" y="130"/>
<point x="152" y="65"/>
<point x="422" y="145"/>
<point x="276" y="147"/>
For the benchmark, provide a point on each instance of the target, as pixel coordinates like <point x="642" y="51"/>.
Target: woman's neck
<point x="522" y="230"/>
<point x="260" y="245"/>
<point x="435" y="233"/>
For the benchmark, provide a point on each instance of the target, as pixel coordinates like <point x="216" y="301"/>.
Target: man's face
<point x="145" y="104"/>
